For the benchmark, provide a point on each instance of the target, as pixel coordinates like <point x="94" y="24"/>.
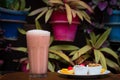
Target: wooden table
<point x="51" y="76"/>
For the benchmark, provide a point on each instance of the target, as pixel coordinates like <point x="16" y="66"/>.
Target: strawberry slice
<point x="82" y="64"/>
<point x="70" y="68"/>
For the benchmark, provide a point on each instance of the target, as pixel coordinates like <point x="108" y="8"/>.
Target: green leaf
<point x="22" y="31"/>
<point x="81" y="51"/>
<point x="112" y="64"/>
<point x="88" y="41"/>
<point x="102" y="38"/>
<point x="23" y="59"/>
<point x="16" y="5"/>
<point x="75" y="56"/>
<point x="82" y="3"/>
<point x="34" y="12"/>
<point x="69" y="13"/>
<point x="56" y="2"/>
<point x="54" y="56"/>
<point x="37" y="24"/>
<point x="97" y="55"/>
<point x="103" y="60"/>
<point x="73" y="13"/>
<point x="48" y="15"/>
<point x="41" y="14"/>
<point x="79" y="15"/>
<point x="51" y="66"/>
<point x="27" y="9"/>
<point x="51" y="39"/>
<point x="62" y="55"/>
<point x="73" y="52"/>
<point x="110" y="51"/>
<point x="86" y="16"/>
<point x="46" y="1"/>
<point x="22" y="49"/>
<point x="22" y="4"/>
<point x="64" y="47"/>
<point x="82" y="59"/>
<point x="93" y="37"/>
<point x="28" y="66"/>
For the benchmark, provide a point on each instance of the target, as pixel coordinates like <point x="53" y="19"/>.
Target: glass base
<point x="38" y="75"/>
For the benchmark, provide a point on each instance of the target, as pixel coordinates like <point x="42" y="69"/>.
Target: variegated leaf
<point x="73" y="13"/>
<point x="62" y="55"/>
<point x="73" y="52"/>
<point x="56" y="2"/>
<point x="27" y="9"/>
<point x="48" y="15"/>
<point x="86" y="16"/>
<point x="64" y="47"/>
<point x="51" y="66"/>
<point x="91" y="43"/>
<point x="41" y="14"/>
<point x="75" y="56"/>
<point x="87" y="41"/>
<point x="103" y="60"/>
<point x="82" y="59"/>
<point x="28" y="66"/>
<point x="34" y="12"/>
<point x="69" y="13"/>
<point x="22" y="31"/>
<point x="85" y="5"/>
<point x="112" y="64"/>
<point x="79" y="15"/>
<point x="22" y="49"/>
<point x="54" y="56"/>
<point x="93" y="37"/>
<point x="110" y="51"/>
<point x="23" y="59"/>
<point x="81" y="51"/>
<point x="37" y="24"/>
<point x="102" y="38"/>
<point x="46" y="1"/>
<point x="97" y="55"/>
<point x="51" y="39"/>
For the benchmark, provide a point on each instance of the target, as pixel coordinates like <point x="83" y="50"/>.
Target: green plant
<point x="55" y="54"/>
<point x="93" y="49"/>
<point x="72" y="7"/>
<point x="14" y="4"/>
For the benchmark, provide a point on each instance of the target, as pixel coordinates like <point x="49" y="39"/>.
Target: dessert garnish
<point x="93" y="65"/>
<point x="68" y="70"/>
<point x="102" y="70"/>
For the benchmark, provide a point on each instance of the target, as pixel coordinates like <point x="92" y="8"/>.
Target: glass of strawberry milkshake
<point x="38" y="42"/>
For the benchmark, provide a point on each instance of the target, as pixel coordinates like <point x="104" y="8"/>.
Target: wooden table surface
<point x="51" y="76"/>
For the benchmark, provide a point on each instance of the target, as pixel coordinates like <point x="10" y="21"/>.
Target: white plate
<point x="105" y="74"/>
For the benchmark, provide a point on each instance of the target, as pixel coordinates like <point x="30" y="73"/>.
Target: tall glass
<point x="38" y="44"/>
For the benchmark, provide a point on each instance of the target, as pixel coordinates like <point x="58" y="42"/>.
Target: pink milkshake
<point x="38" y="44"/>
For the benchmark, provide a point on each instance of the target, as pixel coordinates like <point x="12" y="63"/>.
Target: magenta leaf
<point x="102" y="5"/>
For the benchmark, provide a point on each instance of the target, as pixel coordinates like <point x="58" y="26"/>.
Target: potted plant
<point x="70" y="55"/>
<point x="95" y="51"/>
<point x="12" y="15"/>
<point x="64" y="16"/>
<point x="112" y="18"/>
